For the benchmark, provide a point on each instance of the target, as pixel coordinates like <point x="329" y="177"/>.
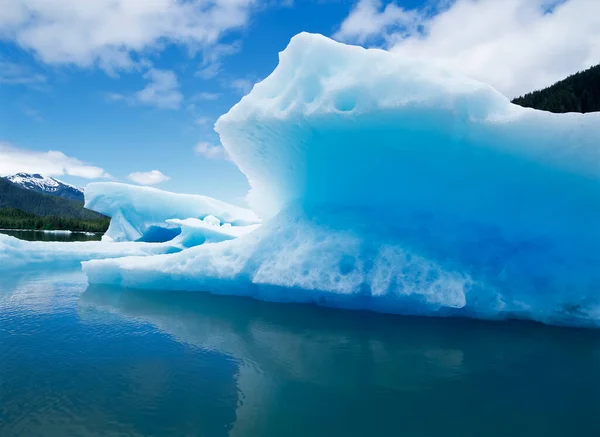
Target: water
<point x="78" y="361"/>
<point x="32" y="235"/>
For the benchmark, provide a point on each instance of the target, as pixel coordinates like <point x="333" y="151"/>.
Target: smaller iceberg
<point x="144" y="221"/>
<point x="16" y="253"/>
<point x="150" y="215"/>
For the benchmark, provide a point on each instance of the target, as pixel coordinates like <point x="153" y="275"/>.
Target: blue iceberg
<point x="390" y="185"/>
<point x="151" y="215"/>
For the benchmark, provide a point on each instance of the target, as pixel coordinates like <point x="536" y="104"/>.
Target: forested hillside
<point x="21" y="208"/>
<point x="577" y="93"/>
<point x="11" y="218"/>
<point x="12" y="196"/>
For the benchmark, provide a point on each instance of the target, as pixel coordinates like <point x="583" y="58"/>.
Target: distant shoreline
<point x="53" y="231"/>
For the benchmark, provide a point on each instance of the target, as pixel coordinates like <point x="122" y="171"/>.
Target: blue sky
<point x="124" y="87"/>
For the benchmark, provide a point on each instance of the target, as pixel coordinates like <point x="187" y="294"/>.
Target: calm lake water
<point x="52" y="236"/>
<point x="79" y="361"/>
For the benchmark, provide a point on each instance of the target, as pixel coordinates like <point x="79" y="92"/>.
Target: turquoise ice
<point x="387" y="184"/>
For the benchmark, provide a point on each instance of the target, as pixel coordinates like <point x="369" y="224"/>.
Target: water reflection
<point x="102" y="374"/>
<point x="305" y="370"/>
<point x="33" y="235"/>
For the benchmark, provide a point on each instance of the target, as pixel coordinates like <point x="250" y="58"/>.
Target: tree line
<point x="12" y="218"/>
<point x="579" y="92"/>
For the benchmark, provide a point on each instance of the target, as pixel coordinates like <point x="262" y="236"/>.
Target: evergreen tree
<point x="579" y="92"/>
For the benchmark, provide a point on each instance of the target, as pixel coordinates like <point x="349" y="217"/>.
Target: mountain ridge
<point x="47" y="185"/>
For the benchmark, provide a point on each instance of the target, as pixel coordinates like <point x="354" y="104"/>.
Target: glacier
<point x="385" y="184"/>
<point x="150" y="215"/>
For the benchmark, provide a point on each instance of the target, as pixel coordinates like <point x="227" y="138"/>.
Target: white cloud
<point x="515" y="45"/>
<point x="211" y="59"/>
<point x="16" y="74"/>
<point x="211" y="151"/>
<point x="244" y="86"/>
<point x="209" y="70"/>
<point x="107" y="32"/>
<point x="204" y="120"/>
<point x="162" y="90"/>
<point x="152" y="177"/>
<point x="205" y="96"/>
<point x="115" y="97"/>
<point x="52" y="163"/>
<point x="30" y="112"/>
<point x="370" y="19"/>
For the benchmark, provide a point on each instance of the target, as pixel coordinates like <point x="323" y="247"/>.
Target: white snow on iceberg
<point x="394" y="186"/>
<point x="143" y="213"/>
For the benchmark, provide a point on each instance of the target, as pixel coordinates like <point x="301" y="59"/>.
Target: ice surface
<point x="310" y="260"/>
<point x="339" y="125"/>
<point x="17" y="253"/>
<point x="394" y="186"/>
<point x="195" y="232"/>
<point x="354" y="265"/>
<point x="142" y="213"/>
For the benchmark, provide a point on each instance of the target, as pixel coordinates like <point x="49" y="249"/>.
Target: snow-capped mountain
<point x="47" y="185"/>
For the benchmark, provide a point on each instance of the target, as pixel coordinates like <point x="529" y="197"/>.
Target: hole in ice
<point x="345" y="101"/>
<point x="158" y="234"/>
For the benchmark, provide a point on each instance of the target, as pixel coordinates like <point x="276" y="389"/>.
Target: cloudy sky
<point x="129" y="90"/>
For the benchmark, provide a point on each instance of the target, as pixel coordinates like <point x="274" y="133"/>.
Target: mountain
<point x="47" y="185"/>
<point x="579" y="92"/>
<point x="27" y="200"/>
<point x="25" y="208"/>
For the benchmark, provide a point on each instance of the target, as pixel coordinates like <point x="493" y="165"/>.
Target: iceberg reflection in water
<point x="110" y="361"/>
<point x="305" y="370"/>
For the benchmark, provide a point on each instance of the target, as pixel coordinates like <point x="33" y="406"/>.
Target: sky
<point x="129" y="90"/>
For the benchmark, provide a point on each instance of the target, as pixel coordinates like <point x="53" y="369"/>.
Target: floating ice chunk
<point x="15" y="252"/>
<point x="141" y="213"/>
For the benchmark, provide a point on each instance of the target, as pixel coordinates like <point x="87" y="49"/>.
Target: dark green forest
<point x="21" y="208"/>
<point x="11" y="218"/>
<point x="579" y="92"/>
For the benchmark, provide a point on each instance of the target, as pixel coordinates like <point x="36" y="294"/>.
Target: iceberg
<point x="18" y="253"/>
<point x="142" y="224"/>
<point x="391" y="185"/>
<point x="146" y="214"/>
